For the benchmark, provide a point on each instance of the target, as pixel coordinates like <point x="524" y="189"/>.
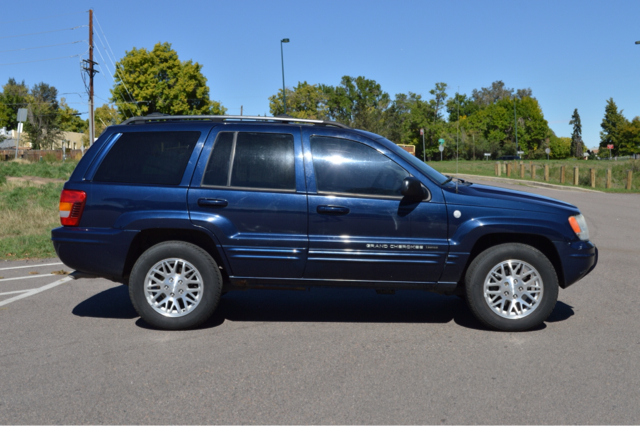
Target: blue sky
<point x="572" y="54"/>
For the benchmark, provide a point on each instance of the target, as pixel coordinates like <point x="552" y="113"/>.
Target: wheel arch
<point x="539" y="242"/>
<point x="150" y="237"/>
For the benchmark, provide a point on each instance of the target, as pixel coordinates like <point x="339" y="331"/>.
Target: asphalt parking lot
<point x="75" y="351"/>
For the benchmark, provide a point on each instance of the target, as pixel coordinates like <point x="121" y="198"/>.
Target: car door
<point x="249" y="191"/>
<point x="360" y="226"/>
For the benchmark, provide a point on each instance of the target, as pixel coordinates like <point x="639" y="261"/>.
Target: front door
<point x="360" y="226"/>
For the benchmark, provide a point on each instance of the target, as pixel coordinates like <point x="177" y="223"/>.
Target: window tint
<point x="350" y="167"/>
<point x="148" y="158"/>
<point x="217" y="172"/>
<point x="264" y="160"/>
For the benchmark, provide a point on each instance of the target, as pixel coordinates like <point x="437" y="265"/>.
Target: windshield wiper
<point x="448" y="180"/>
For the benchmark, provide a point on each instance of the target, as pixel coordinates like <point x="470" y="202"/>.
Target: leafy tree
<point x="560" y="147"/>
<point x="439" y="94"/>
<point x="13" y="97"/>
<point x="612" y="124"/>
<point x="305" y="101"/>
<point x="630" y="137"/>
<point x="577" y="146"/>
<point x="406" y="116"/>
<point x="104" y="116"/>
<point x="157" y="81"/>
<point x="357" y="102"/>
<point x="43" y="116"/>
<point x="69" y="119"/>
<point x="490" y="95"/>
<point x="466" y="106"/>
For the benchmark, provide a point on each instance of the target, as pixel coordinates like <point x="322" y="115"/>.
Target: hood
<point x="491" y="196"/>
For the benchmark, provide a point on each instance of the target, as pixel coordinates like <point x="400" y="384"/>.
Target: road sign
<point x="520" y="152"/>
<point x="22" y="114"/>
<point x="421" y="132"/>
<point x="441" y="148"/>
<point x="610" y="146"/>
<point x="547" y="150"/>
<point x="441" y="141"/>
<point x="486" y="154"/>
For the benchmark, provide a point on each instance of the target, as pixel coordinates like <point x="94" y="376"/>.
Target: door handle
<point x="210" y="202"/>
<point x="333" y="210"/>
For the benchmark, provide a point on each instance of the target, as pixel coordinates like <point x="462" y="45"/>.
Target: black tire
<point x="209" y="289"/>
<point x="491" y="258"/>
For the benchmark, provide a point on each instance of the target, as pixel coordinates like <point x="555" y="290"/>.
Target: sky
<point x="572" y="54"/>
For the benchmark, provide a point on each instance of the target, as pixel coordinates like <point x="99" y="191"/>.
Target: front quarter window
<point x="425" y="169"/>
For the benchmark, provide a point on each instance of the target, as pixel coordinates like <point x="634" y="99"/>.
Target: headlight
<point x="579" y="226"/>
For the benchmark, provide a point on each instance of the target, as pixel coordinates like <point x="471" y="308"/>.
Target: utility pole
<point x="88" y="67"/>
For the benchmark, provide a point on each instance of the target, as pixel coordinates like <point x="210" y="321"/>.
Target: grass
<point x="618" y="171"/>
<point x="29" y="212"/>
<point x="19" y="168"/>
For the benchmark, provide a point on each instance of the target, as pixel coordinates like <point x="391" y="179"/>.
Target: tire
<point x="175" y="285"/>
<point x="511" y="287"/>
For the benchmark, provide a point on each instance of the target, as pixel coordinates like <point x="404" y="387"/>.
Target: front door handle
<point x="210" y="202"/>
<point x="332" y="210"/>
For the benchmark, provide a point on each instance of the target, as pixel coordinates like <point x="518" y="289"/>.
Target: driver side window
<point x="349" y="167"/>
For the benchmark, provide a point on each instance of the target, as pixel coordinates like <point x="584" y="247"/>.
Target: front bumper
<point x="578" y="259"/>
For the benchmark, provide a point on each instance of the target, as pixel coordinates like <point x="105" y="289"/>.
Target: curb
<point x="526" y="183"/>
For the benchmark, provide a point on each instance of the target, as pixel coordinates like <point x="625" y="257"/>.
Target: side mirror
<point x="412" y="188"/>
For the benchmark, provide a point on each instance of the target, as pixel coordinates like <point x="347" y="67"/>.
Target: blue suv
<point x="183" y="209"/>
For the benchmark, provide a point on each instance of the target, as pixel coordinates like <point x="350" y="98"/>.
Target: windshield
<point x="428" y="171"/>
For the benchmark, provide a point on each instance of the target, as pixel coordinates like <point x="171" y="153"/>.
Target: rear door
<point x="249" y="191"/>
<point x="360" y="226"/>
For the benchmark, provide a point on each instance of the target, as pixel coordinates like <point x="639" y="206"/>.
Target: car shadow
<point x="317" y="305"/>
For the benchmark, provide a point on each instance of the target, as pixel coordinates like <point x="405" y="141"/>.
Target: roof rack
<point x="157" y="117"/>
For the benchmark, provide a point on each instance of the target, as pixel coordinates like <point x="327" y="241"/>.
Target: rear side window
<point x="252" y="160"/>
<point x="349" y="167"/>
<point x="148" y="158"/>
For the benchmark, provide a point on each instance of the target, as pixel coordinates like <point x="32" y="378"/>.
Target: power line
<point x="41" y="60"/>
<point x="41" y="47"/>
<point x="45" y="32"/>
<point x="44" y="17"/>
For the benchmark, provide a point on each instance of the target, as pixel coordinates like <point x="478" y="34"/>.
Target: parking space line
<point x="32" y="266"/>
<point x="36" y="291"/>
<point x="28" y="277"/>
<point x="14" y="292"/>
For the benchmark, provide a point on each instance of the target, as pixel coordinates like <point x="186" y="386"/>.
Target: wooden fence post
<point x="533" y="171"/>
<point x="593" y="177"/>
<point x="498" y="168"/>
<point x="546" y="173"/>
<point x="576" y="175"/>
<point x="522" y="170"/>
<point x="629" y="178"/>
<point x="608" y="178"/>
<point x="562" y="174"/>
<point x="508" y="169"/>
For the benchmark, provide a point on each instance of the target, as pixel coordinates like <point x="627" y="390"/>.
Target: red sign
<point x="610" y="146"/>
<point x="421" y="132"/>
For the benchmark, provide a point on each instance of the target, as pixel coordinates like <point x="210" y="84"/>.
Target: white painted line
<point x="14" y="292"/>
<point x="36" y="291"/>
<point x="32" y="266"/>
<point x="28" y="277"/>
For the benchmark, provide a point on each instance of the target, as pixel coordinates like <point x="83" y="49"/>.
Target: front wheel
<point x="511" y="287"/>
<point x="175" y="285"/>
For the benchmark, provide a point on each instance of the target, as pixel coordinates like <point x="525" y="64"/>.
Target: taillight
<point x="71" y="206"/>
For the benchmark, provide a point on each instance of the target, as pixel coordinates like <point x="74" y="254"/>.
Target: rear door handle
<point x="210" y="202"/>
<point x="333" y="210"/>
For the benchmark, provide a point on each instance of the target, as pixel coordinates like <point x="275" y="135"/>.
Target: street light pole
<point x="284" y="93"/>
<point x="515" y="119"/>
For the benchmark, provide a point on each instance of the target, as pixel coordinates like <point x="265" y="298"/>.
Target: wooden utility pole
<point x="89" y="68"/>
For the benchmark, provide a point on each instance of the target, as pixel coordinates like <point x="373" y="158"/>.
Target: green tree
<point x="357" y="102"/>
<point x="612" y="124"/>
<point x="560" y="147"/>
<point x="157" y="81"/>
<point x="304" y="101"/>
<point x="13" y="97"/>
<point x="466" y="105"/>
<point x="69" y="119"/>
<point x="630" y="137"/>
<point x="577" y="146"/>
<point x="42" y="123"/>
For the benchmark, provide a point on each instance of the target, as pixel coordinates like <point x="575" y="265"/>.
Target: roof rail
<point x="155" y="117"/>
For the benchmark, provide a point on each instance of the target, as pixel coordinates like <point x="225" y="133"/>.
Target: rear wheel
<point x="175" y="285"/>
<point x="511" y="287"/>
